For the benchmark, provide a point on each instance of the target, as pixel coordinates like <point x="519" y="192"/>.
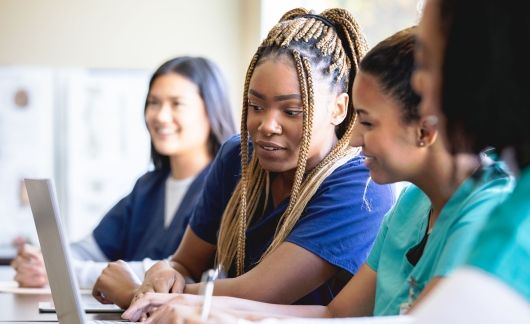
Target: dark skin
<point x="273" y="120"/>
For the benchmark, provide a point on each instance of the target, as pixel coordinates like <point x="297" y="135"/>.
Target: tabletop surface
<point x="24" y="307"/>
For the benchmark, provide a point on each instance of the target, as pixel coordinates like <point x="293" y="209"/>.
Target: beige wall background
<point x="130" y="33"/>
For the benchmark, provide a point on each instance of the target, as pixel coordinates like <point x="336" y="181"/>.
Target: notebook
<point x="56" y="253"/>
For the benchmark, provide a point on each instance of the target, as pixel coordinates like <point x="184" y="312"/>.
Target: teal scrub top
<point x="503" y="247"/>
<point x="448" y="245"/>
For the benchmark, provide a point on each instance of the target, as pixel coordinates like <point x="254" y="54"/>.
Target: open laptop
<point x="56" y="253"/>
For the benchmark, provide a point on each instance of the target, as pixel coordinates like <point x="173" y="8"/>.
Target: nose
<point x="270" y="125"/>
<point x="165" y="113"/>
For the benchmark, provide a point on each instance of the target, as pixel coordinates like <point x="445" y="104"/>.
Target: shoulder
<point x="491" y="185"/>
<point x="230" y="148"/>
<point x="412" y="205"/>
<point x="150" y="180"/>
<point x="353" y="178"/>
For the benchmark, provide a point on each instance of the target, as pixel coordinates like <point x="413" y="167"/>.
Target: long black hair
<point x="207" y="76"/>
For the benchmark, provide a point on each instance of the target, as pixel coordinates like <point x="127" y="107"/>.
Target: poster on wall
<point x="106" y="144"/>
<point x="26" y="145"/>
<point x="84" y="129"/>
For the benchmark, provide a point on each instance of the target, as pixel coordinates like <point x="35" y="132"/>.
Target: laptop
<point x="56" y="253"/>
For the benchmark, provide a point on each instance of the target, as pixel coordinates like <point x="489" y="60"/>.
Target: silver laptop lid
<point x="53" y="242"/>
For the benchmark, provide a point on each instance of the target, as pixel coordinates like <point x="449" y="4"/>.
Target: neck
<point x="190" y="163"/>
<point x="442" y="176"/>
<point x="281" y="186"/>
<point x="282" y="183"/>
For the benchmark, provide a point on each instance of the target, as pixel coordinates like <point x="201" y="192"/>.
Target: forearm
<point x="251" y="309"/>
<point x="254" y="310"/>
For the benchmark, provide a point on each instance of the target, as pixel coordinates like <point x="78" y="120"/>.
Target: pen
<point x="208" y="279"/>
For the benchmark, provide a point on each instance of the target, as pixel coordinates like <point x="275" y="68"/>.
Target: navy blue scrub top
<point x="339" y="224"/>
<point x="134" y="228"/>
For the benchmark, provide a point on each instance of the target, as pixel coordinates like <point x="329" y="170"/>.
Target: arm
<point x="277" y="278"/>
<point x="356" y="299"/>
<point x="31" y="272"/>
<point x="192" y="257"/>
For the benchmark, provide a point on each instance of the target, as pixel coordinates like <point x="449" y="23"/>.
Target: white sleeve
<point x="87" y="249"/>
<point x="141" y="267"/>
<point x="89" y="261"/>
<point x="470" y="295"/>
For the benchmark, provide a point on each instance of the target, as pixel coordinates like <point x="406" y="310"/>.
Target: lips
<point x="165" y="131"/>
<point x="368" y="159"/>
<point x="268" y="146"/>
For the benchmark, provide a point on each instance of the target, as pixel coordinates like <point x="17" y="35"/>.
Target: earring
<point x="421" y="143"/>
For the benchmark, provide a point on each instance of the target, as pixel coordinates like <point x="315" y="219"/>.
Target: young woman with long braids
<point x="288" y="208"/>
<point x="435" y="220"/>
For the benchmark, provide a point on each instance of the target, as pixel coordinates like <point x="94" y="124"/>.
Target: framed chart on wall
<point x="84" y="128"/>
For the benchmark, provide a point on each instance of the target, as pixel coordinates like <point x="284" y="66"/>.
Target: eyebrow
<point x="169" y="97"/>
<point x="276" y="98"/>
<point x="360" y="111"/>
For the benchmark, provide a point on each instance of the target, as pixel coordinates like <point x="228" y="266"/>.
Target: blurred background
<point x="73" y="81"/>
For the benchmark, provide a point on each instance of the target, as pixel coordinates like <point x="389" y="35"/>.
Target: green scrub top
<point x="503" y="247"/>
<point x="449" y="243"/>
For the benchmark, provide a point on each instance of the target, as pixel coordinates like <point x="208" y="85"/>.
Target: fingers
<point x="146" y="303"/>
<point x="29" y="274"/>
<point x="162" y="284"/>
<point x="97" y="293"/>
<point x="178" y="284"/>
<point x="31" y="280"/>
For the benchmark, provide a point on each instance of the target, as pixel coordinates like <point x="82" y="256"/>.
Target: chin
<point x="275" y="167"/>
<point x="380" y="178"/>
<point x="165" y="150"/>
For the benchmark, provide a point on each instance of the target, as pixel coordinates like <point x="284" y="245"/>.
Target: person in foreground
<point x="188" y="116"/>
<point x="425" y="235"/>
<point x="288" y="209"/>
<point x="479" y="54"/>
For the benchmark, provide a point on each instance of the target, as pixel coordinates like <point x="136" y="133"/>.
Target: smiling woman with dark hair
<point x="188" y="116"/>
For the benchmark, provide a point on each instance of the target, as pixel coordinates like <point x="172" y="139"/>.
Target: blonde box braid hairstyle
<point x="333" y="42"/>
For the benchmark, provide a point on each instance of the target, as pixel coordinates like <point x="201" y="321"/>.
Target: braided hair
<point x="329" y="45"/>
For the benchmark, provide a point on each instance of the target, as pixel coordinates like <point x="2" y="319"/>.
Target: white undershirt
<point x="175" y="192"/>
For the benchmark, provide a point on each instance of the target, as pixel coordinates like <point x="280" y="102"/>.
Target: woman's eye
<point x="254" y="107"/>
<point x="365" y="123"/>
<point x="293" y="112"/>
<point x="176" y="104"/>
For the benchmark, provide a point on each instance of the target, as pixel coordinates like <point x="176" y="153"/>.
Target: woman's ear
<point x="340" y="109"/>
<point x="427" y="130"/>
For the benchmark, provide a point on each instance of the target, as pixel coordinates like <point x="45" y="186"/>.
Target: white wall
<point x="71" y="37"/>
<point x="126" y="33"/>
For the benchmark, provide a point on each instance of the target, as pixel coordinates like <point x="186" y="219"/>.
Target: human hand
<point x="161" y="278"/>
<point x="29" y="267"/>
<point x="174" y="312"/>
<point x="147" y="303"/>
<point x="116" y="284"/>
